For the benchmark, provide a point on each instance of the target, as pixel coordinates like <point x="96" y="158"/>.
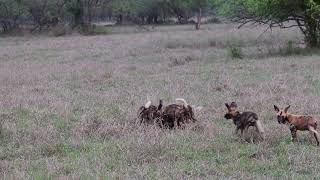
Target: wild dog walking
<point x="175" y="115"/>
<point x="243" y="120"/>
<point x="150" y="114"/>
<point x="297" y="122"/>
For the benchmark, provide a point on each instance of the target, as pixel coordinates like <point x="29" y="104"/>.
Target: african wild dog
<point x="150" y="114"/>
<point x="297" y="122"/>
<point x="243" y="120"/>
<point x="175" y="115"/>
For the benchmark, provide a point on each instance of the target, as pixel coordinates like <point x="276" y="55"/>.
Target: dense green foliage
<point x="278" y="13"/>
<point x="10" y="11"/>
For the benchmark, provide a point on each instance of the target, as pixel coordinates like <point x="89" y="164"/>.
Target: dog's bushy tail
<point x="183" y="101"/>
<point x="148" y="104"/>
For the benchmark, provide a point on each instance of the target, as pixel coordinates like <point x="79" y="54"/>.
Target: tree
<point x="199" y="6"/>
<point x="48" y="13"/>
<point x="45" y="13"/>
<point x="74" y="7"/>
<point x="304" y="14"/>
<point x="182" y="9"/>
<point x="38" y="10"/>
<point x="140" y="11"/>
<point x="10" y="11"/>
<point x="83" y="11"/>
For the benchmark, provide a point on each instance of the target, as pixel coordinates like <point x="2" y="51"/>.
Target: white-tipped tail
<point x="260" y="128"/>
<point x="183" y="101"/>
<point x="148" y="104"/>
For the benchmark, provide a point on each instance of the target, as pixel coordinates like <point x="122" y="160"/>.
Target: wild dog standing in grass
<point x="243" y="120"/>
<point x="177" y="114"/>
<point x="297" y="122"/>
<point x="150" y="114"/>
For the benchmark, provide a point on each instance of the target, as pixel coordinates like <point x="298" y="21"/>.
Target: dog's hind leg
<point x="175" y="123"/>
<point x="315" y="134"/>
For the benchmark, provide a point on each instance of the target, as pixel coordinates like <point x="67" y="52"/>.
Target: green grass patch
<point x="234" y="52"/>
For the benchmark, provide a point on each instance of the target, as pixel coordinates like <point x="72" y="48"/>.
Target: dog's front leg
<point x="236" y="131"/>
<point x="245" y="131"/>
<point x="293" y="130"/>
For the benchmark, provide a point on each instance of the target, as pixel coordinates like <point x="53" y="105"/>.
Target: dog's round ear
<point x="160" y="105"/>
<point x="233" y="104"/>
<point x="286" y="109"/>
<point x="276" y="108"/>
<point x="227" y="105"/>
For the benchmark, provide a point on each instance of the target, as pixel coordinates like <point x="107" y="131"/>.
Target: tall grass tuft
<point x="234" y="51"/>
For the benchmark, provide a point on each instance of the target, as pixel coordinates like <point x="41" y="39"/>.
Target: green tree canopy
<point x="303" y="14"/>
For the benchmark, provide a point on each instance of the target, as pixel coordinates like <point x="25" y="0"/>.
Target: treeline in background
<point x="82" y="15"/>
<point x="42" y="14"/>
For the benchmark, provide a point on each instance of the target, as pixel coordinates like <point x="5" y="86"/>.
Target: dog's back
<point x="245" y="119"/>
<point x="170" y="114"/>
<point x="176" y="114"/>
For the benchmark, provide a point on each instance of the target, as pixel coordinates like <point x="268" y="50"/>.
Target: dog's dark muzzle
<point x="281" y="120"/>
<point x="228" y="116"/>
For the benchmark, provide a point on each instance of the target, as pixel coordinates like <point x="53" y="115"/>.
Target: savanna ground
<point x="68" y="104"/>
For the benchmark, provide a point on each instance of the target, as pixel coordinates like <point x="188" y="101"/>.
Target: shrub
<point x="182" y="60"/>
<point x="100" y="30"/>
<point x="213" y="20"/>
<point x="59" y="30"/>
<point x="290" y="49"/>
<point x="234" y="52"/>
<point x="94" y="30"/>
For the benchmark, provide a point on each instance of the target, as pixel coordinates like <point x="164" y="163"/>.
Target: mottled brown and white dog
<point x="150" y="114"/>
<point x="297" y="122"/>
<point x="175" y="115"/>
<point x="243" y="120"/>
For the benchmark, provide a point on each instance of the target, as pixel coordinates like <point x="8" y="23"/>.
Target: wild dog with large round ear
<point x="297" y="122"/>
<point x="243" y="120"/>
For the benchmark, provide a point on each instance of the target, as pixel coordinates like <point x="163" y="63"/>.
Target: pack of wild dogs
<point x="180" y="113"/>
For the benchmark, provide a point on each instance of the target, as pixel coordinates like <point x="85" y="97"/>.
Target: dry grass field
<point x="68" y="104"/>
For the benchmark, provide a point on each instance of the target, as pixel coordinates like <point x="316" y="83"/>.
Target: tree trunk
<point x="149" y="19"/>
<point x="155" y="19"/>
<point x="77" y="13"/>
<point x="4" y="26"/>
<point x="120" y="19"/>
<point x="199" y="18"/>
